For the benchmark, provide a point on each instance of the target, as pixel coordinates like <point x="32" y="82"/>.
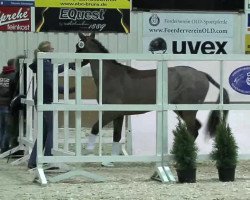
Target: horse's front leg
<point x="106" y="118"/>
<point x="117" y="134"/>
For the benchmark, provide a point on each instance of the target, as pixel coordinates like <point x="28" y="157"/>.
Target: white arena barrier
<point x="63" y="135"/>
<point x="78" y="105"/>
<point x="162" y="109"/>
<point x="26" y="126"/>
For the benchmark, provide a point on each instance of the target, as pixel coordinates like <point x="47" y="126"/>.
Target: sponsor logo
<point x="158" y="45"/>
<point x="206" y="47"/>
<point x="239" y="80"/>
<point x="154" y="20"/>
<point x="193" y="47"/>
<point x="75" y="14"/>
<point x="81" y="19"/>
<point x="14" y="17"/>
<point x="17" y="3"/>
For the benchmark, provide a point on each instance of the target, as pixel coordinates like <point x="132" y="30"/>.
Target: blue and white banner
<point x="17" y="3"/>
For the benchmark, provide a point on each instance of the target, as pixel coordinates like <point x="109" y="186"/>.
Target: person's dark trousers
<point x="47" y="138"/>
<point x="14" y="129"/>
<point x="5" y="125"/>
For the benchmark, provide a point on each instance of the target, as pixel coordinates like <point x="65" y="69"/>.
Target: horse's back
<point x="140" y="87"/>
<point x="187" y="85"/>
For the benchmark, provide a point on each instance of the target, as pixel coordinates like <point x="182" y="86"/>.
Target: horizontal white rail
<point x="67" y="57"/>
<point x="141" y="107"/>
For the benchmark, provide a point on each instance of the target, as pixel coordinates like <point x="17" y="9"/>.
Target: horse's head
<point x="85" y="45"/>
<point x="88" y="44"/>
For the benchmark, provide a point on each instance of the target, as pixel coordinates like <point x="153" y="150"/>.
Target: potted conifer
<point x="184" y="152"/>
<point x="225" y="152"/>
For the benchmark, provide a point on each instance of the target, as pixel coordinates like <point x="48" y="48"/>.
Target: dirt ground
<point x="124" y="181"/>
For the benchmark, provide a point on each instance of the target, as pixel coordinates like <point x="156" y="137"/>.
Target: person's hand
<point x="72" y="66"/>
<point x="72" y="90"/>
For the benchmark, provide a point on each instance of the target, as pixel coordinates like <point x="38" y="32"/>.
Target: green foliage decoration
<point x="184" y="148"/>
<point x="225" y="149"/>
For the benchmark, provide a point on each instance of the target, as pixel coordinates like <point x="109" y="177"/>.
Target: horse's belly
<point x="141" y="94"/>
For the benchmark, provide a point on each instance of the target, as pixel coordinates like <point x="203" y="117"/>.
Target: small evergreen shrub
<point x="225" y="149"/>
<point x="184" y="148"/>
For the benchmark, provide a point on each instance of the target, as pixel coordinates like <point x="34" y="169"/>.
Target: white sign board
<point x="187" y="33"/>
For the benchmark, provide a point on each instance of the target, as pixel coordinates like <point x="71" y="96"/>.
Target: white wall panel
<point x="14" y="43"/>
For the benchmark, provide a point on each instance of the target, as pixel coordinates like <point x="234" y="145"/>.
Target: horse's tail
<point x="214" y="116"/>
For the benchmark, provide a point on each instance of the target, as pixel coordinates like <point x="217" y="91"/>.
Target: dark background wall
<point x="202" y="5"/>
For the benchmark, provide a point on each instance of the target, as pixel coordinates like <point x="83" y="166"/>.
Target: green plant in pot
<point x="225" y="152"/>
<point x="184" y="152"/>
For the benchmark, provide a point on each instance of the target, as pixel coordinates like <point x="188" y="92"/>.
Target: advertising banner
<point x="188" y="33"/>
<point x="247" y="44"/>
<point x="17" y="3"/>
<point x="188" y="24"/>
<point x="189" y="5"/>
<point x="198" y="45"/>
<point x="15" y="19"/>
<point x="76" y="19"/>
<point x="248" y="22"/>
<point x="120" y="4"/>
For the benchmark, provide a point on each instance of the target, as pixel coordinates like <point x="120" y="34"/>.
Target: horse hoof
<point x="88" y="152"/>
<point x="108" y="164"/>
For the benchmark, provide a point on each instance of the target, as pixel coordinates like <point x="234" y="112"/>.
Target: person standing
<point x="7" y="90"/>
<point x="46" y="46"/>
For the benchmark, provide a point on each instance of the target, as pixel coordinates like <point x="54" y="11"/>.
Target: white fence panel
<point x="161" y="104"/>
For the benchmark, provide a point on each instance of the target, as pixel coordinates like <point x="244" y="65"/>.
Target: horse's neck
<point x="94" y="64"/>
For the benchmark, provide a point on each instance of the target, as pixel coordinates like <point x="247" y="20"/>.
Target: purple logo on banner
<point x="239" y="80"/>
<point x="17" y="3"/>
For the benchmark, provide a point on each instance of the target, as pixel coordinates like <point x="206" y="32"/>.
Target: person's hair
<point x="44" y="46"/>
<point x="11" y="62"/>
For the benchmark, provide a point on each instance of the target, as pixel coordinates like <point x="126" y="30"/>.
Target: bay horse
<point x="123" y="84"/>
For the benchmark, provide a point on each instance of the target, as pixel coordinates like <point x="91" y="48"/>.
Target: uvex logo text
<point x="196" y="47"/>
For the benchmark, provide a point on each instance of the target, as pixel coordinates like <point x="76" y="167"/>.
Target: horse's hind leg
<point x="116" y="147"/>
<point x="193" y="124"/>
<point x="117" y="128"/>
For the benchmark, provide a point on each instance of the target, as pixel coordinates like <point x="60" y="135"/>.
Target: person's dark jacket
<point x="7" y="85"/>
<point x="47" y="80"/>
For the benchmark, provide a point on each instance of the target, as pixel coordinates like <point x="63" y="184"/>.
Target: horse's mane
<point x="104" y="50"/>
<point x="101" y="47"/>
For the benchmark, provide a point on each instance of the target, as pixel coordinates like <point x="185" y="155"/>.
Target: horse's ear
<point x="92" y="35"/>
<point x="82" y="37"/>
